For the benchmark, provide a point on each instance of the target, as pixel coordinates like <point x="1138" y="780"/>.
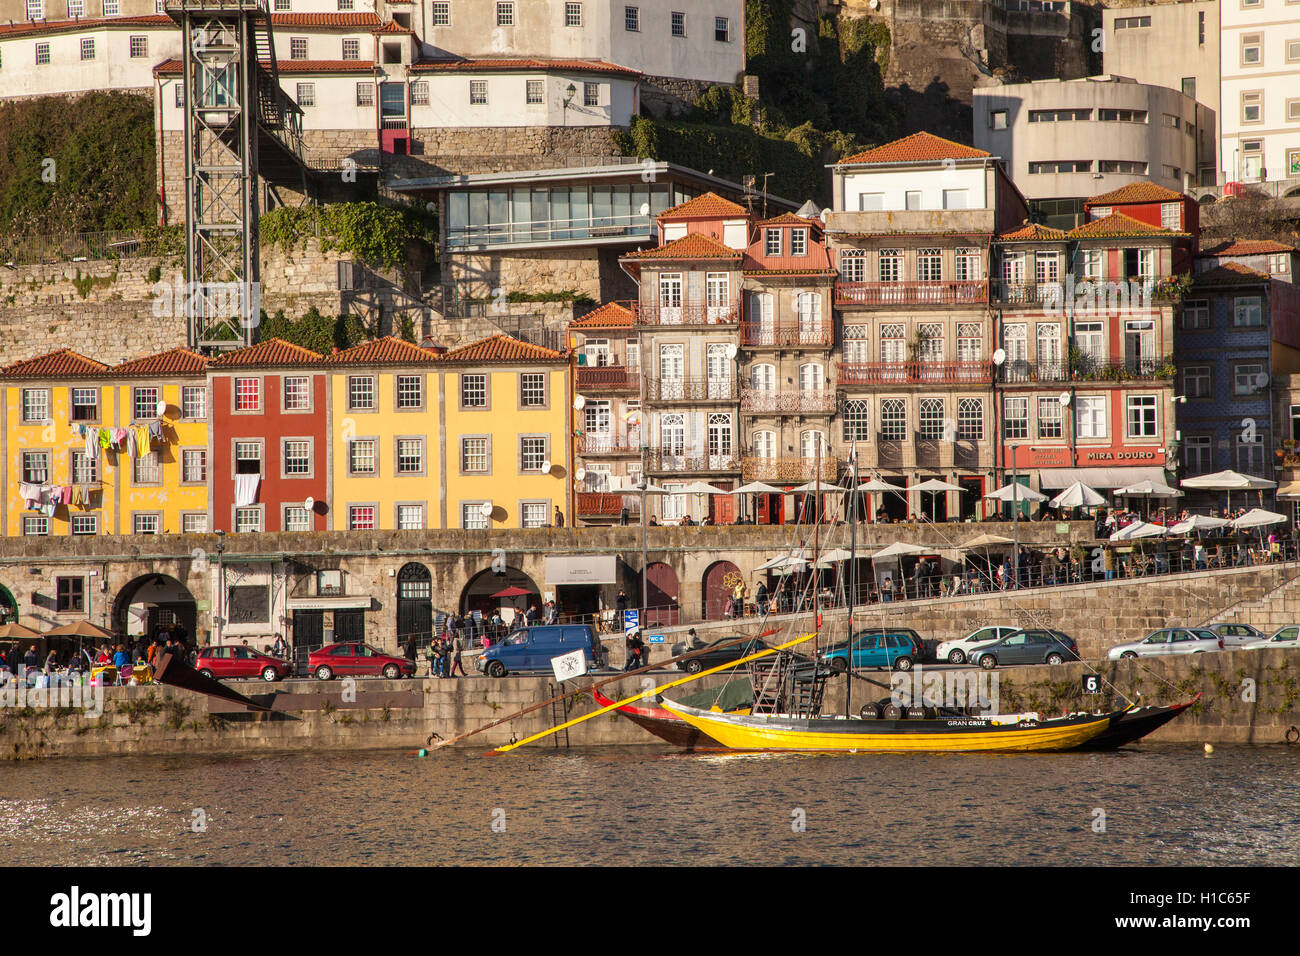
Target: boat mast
<point x="853" y="572"/>
<point x="817" y="521"/>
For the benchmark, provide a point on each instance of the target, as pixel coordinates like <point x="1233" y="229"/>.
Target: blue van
<point x="896" y="648"/>
<point x="530" y="650"/>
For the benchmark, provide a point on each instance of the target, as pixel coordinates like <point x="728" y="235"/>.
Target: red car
<point x="235" y="660"/>
<point x="357" y="660"/>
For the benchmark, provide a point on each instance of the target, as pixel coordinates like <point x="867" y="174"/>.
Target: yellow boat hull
<point x="955" y="735"/>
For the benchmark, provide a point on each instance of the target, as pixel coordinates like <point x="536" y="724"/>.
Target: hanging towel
<point x="145" y="439"/>
<point x="155" y="431"/>
<point x="31" y="494"/>
<point x="91" y="447"/>
<point x="130" y="444"/>
<point x="104" y="439"/>
<point x="246" y="489"/>
<point x="65" y="495"/>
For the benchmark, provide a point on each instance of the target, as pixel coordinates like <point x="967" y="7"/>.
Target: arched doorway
<point x="414" y="604"/>
<point x="477" y="595"/>
<point x="151" y="603"/>
<point x="8" y="606"/>
<point x="662" y="592"/>
<point x="720" y="582"/>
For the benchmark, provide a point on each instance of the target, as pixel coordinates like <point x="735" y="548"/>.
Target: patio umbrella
<point x="1228" y="481"/>
<point x="811" y="488"/>
<point x="510" y="592"/>
<point x="1139" y="529"/>
<point x="877" y="485"/>
<point x="898" y="550"/>
<point x="1258" y="518"/>
<point x="986" y="541"/>
<point x="834" y="556"/>
<point x="783" y="561"/>
<point x="1147" y="489"/>
<point x="757" y="488"/>
<point x="1078" y="495"/>
<point x="1016" y="492"/>
<point x="15" y="631"/>
<point x="935" y="485"/>
<point x="81" y="630"/>
<point x="1198" y="523"/>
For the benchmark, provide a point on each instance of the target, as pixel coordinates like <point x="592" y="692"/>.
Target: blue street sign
<point x="655" y="639"/>
<point x="631" y="620"/>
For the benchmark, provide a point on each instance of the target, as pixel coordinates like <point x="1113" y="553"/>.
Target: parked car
<point x="712" y="656"/>
<point x="1237" y="635"/>
<point x="235" y="660"/>
<point x="1029" y="646"/>
<point x="355" y="659"/>
<point x="1169" y="640"/>
<point x="956" y="652"/>
<point x="531" y="649"/>
<point x="1287" y="636"/>
<point x="897" y="648"/>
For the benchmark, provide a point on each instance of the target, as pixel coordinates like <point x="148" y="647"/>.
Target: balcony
<point x="599" y="504"/>
<point x="592" y="444"/>
<point x="1084" y="368"/>
<point x="665" y="390"/>
<point x="801" y="402"/>
<point x="1019" y="370"/>
<point x="608" y="378"/>
<point x="660" y="461"/>
<point x="894" y="222"/>
<point x="794" y="471"/>
<point x="954" y="292"/>
<point x="914" y="373"/>
<point x="1049" y="295"/>
<point x="696" y="314"/>
<point x="787" y="335"/>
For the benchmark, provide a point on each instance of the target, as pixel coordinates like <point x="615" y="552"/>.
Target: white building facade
<point x="1260" y="91"/>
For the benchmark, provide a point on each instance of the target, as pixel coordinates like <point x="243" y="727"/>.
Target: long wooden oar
<point x="596" y="686"/>
<point x="627" y="700"/>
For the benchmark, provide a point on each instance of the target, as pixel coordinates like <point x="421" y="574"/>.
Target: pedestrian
<point x="1108" y="562"/>
<point x="559" y="517"/>
<point x="51" y="661"/>
<point x="552" y="614"/>
<point x="621" y="603"/>
<point x="761" y="597"/>
<point x="456" y="663"/>
<point x="29" y="659"/>
<point x="739" y="596"/>
<point x="634" y="645"/>
<point x="430" y="654"/>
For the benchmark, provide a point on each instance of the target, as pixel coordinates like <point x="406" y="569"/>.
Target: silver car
<point x="1169" y="640"/>
<point x="957" y="652"/>
<point x="1287" y="636"/>
<point x="1237" y="635"/>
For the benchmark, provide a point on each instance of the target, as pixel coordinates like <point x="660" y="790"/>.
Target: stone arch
<point x="719" y="582"/>
<point x="8" y="606"/>
<point x="478" y="591"/>
<point x="414" y="604"/>
<point x="152" y="601"/>
<point x="663" y="594"/>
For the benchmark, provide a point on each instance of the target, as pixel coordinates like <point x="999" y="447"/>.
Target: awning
<point x="582" y="569"/>
<point x="1289" y="489"/>
<point x="331" y="603"/>
<point x="1055" y="479"/>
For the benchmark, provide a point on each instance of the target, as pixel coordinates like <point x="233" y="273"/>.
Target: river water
<point x="1161" y="804"/>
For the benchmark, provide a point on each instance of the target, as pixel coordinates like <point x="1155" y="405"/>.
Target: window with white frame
<point x="1196" y="381"/>
<point x="410" y="456"/>
<point x="573" y="14"/>
<point x="248" y="394"/>
<point x="1250" y="455"/>
<point x="1171" y="216"/>
<point x="1015" y="418"/>
<point x="144" y="524"/>
<point x="762" y="378"/>
<point x="144" y="403"/>
<point x="472" y="517"/>
<point x="1248" y="378"/>
<point x="1093" y="266"/>
<point x="361" y="517"/>
<point x="42" y="54"/>
<point x="762" y="444"/>
<point x="351" y="48"/>
<point x="473" y="391"/>
<point x="632" y="19"/>
<point x="534" y="92"/>
<point x="1196" y="314"/>
<point x="772" y="242"/>
<point x="474" y="456"/>
<point x="297" y="393"/>
<point x="893" y="419"/>
<point x="891" y="265"/>
<point x="306" y="94"/>
<point x="147" y="470"/>
<point x="345" y="5"/>
<point x="365" y="94"/>
<point x="1141" y="416"/>
<point x="36" y="404"/>
<point x="194" y="465"/>
<point x="930" y="419"/>
<point x="505" y="13"/>
<point x="966" y="265"/>
<point x="1198" y="454"/>
<point x="248" y="457"/>
<point x="970" y="419"/>
<point x="248" y="520"/>
<point x="36" y="525"/>
<point x="1247" y="311"/>
<point x="678" y="23"/>
<point x="180" y="94"/>
<point x="590" y="94"/>
<point x="1090" y="416"/>
<point x="478" y="93"/>
<point x="76" y="9"/>
<point x="194" y="524"/>
<point x="297" y="458"/>
<point x="857" y="420"/>
<point x="85" y="404"/>
<point x="532" y="452"/>
<point x="597" y="416"/>
<point x="672" y="434"/>
<point x="929" y="265"/>
<point x="1279" y="264"/>
<point x="441" y="13"/>
<point x="812" y="445"/>
<point x="721" y="29"/>
<point x="420" y="93"/>
<point x="853" y="265"/>
<point x="532" y="389"/>
<point x="970" y="342"/>
<point x="1251" y="48"/>
<point x="85" y="468"/>
<point x="297" y="518"/>
<point x="194" y="402"/>
<point x="533" y="514"/>
<point x="362" y="457"/>
<point x="410" y="517"/>
<point x="139" y="47"/>
<point x="36" y="467"/>
<point x="410" y="391"/>
<point x="798" y="242"/>
<point x="361" y="393"/>
<point x="297" y="48"/>
<point x="857" y="343"/>
<point x="85" y="524"/>
<point x="1049" y="418"/>
<point x="1090" y="340"/>
<point x="282" y="6"/>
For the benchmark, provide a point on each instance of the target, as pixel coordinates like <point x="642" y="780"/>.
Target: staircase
<point x="784" y="684"/>
<point x="1272" y="610"/>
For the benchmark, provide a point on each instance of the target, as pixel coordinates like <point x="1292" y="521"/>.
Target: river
<point x="1161" y="804"/>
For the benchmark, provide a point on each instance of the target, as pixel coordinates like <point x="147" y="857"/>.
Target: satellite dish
<point x="580" y="474"/>
<point x="579" y="403"/>
<point x="1064" y="399"/>
<point x="645" y="209"/>
<point x="874" y="4"/>
<point x="731" y="350"/>
<point x="485" y="509"/>
<point x="999" y="356"/>
<point x="162" y="408"/>
<point x="1261" y="380"/>
<point x="310" y="504"/>
<point x="825" y="216"/>
<point x="546" y="466"/>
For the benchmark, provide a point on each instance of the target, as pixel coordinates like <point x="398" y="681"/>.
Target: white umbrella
<point x="757" y="488"/>
<point x="1147" y="489"/>
<point x="1258" y="518"/>
<point x="986" y="541"/>
<point x="1078" y="495"/>
<point x="898" y="550"/>
<point x="1016" y="492"/>
<point x="649" y="489"/>
<point x="1198" y="523"/>
<point x="935" y="485"/>
<point x="876" y="484"/>
<point x="1139" y="529"/>
<point x="783" y="561"/>
<point x="834" y="556"/>
<point x="1228" y="481"/>
<point x="812" y="488"/>
<point x="702" y="488"/>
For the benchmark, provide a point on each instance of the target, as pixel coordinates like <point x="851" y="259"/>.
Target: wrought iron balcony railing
<point x="1047" y="294"/>
<point x="1084" y="368"/>
<point x="608" y="378"/>
<point x="692" y="314"/>
<point x="908" y="373"/>
<point x="610" y="443"/>
<point x="948" y="292"/>
<point x="757" y="334"/>
<point x="788" y="470"/>
<point x="659" y="460"/>
<point x="691" y="389"/>
<point x="801" y="402"/>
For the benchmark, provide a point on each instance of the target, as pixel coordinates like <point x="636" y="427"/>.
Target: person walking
<point x="634" y="650"/>
<point x="431" y="656"/>
<point x="761" y="597"/>
<point x="456" y="663"/>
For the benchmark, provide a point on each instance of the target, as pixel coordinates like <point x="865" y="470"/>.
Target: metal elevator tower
<point x="239" y="124"/>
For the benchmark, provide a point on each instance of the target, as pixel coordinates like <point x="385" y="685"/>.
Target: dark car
<point x="1030" y="646"/>
<point x="712" y="655"/>
<point x="897" y="648"/>
<point x="357" y="660"/>
<point x="532" y="649"/>
<point x="235" y="660"/>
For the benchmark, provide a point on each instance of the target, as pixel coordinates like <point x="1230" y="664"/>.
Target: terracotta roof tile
<point x="504" y="64"/>
<point x="917" y="148"/>
<point x="180" y="361"/>
<point x="346" y="20"/>
<point x="708" y="206"/>
<point x="611" y="315"/>
<point x="392" y="26"/>
<point x="1118" y="225"/>
<point x="1247" y="247"/>
<point x="1135" y="192"/>
<point x="1230" y="273"/>
<point x="389" y="350"/>
<point x="64" y="363"/>
<point x="269" y="353"/>
<point x="693" y="245"/>
<point x="502" y="348"/>
<point x="85" y="23"/>
<point x="1034" y="231"/>
<point x="789" y="219"/>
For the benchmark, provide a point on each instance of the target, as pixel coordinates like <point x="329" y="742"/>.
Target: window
<point x="351" y="48"/>
<point x="441" y="13"/>
<point x="410" y="391"/>
<point x="772" y="242"/>
<point x="147" y="470"/>
<point x="931" y="419"/>
<point x="678" y="23"/>
<point x="970" y="419"/>
<point x="85" y="468"/>
<point x="1251" y="43"/>
<point x="632" y="19"/>
<point x="472" y="517"/>
<point x="1292" y="110"/>
<point x="248" y="458"/>
<point x="533" y="514"/>
<point x="139" y="47"/>
<point x="365" y="94"/>
<point x="297" y="518"/>
<point x="478" y="92"/>
<point x="1196" y="381"/>
<point x="893" y="419"/>
<point x="180" y="95"/>
<point x="955" y="199"/>
<point x="1247" y="311"/>
<point x="532" y="452"/>
<point x="856" y="422"/>
<point x="306" y="94"/>
<point x="248" y="520"/>
<point x="85" y="524"/>
<point x="111" y="7"/>
<point x="410" y="517"/>
<point x="998" y="119"/>
<point x="967" y="265"/>
<point x="1131" y="23"/>
<point x="891" y="265"/>
<point x="1293" y="51"/>
<point x="282" y="6"/>
<point x="534" y="92"/>
<point x="1171" y="216"/>
<point x="721" y="30"/>
<point x="70" y="594"/>
<point x="144" y="524"/>
<point x="194" y="465"/>
<point x="970" y="343"/>
<point x="912" y="199"/>
<point x="532" y="389"/>
<point x="1015" y="418"/>
<point x="505" y="13"/>
<point x="410" y="456"/>
<point x="420" y="93"/>
<point x="42" y="54"/>
<point x="1196" y="314"/>
<point x="36" y="525"/>
<point x="798" y="242"/>
<point x="1090" y="416"/>
<point x="248" y="394"/>
<point x="853" y="265"/>
<point x="361" y="393"/>
<point x="473" y="391"/>
<point x="1131" y="167"/>
<point x="1279" y="264"/>
<point x="474" y="456"/>
<point x="590" y="94"/>
<point x="345" y="5"/>
<point x="194" y="402"/>
<point x="297" y="48"/>
<point x="928" y="265"/>
<point x="1062" y="166"/>
<point x="1049" y="418"/>
<point x="1250" y="455"/>
<point x="869" y="202"/>
<point x="1093" y="262"/>
<point x="297" y="458"/>
<point x="1252" y="107"/>
<point x="76" y="9"/>
<point x="193" y="523"/>
<point x="361" y="517"/>
<point x="1247" y="378"/>
<point x="1198" y="454"/>
<point x="144" y="403"/>
<point x="36" y="404"/>
<point x="36" y="467"/>
<point x="361" y="457"/>
<point x="1141" y="416"/>
<point x="297" y="394"/>
<point x="573" y="14"/>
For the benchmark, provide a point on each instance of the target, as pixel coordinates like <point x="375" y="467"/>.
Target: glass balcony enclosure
<point x="564" y="213"/>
